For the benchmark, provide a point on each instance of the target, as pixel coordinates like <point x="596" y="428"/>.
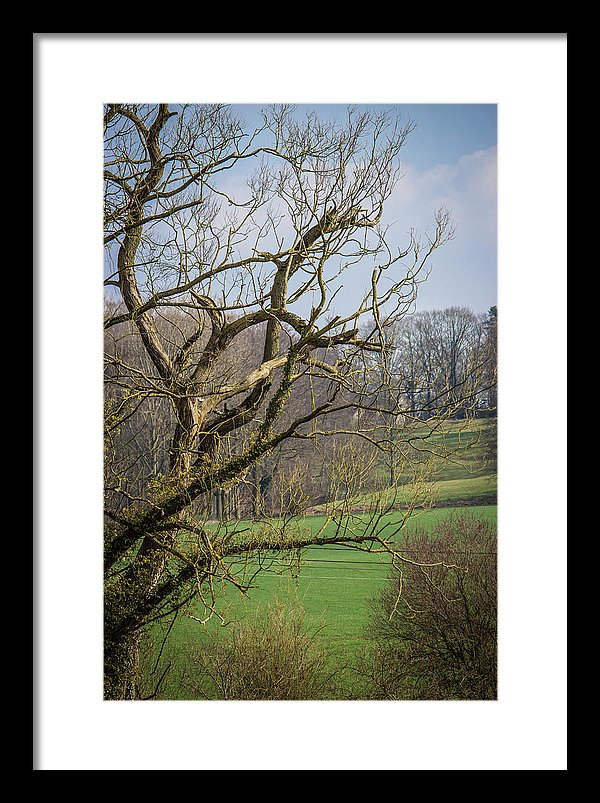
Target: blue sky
<point x="450" y="159"/>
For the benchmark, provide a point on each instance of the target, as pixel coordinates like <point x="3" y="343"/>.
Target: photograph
<point x="300" y="453"/>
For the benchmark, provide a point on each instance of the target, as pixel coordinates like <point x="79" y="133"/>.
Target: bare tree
<point x="441" y="361"/>
<point x="217" y="237"/>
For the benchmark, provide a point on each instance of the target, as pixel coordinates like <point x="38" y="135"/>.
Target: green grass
<point x="467" y="490"/>
<point x="333" y="585"/>
<point x="454" y="464"/>
<point x="464" y="451"/>
<point x="461" y="464"/>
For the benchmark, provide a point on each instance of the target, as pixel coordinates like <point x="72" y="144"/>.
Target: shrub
<point x="268" y="657"/>
<point x="434" y="628"/>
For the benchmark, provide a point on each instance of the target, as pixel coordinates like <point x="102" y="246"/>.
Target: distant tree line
<point x="446" y="360"/>
<point x="440" y="363"/>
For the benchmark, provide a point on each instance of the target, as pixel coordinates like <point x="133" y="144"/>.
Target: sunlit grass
<point x="332" y="584"/>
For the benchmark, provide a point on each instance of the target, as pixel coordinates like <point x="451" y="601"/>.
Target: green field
<point x="463" y="491"/>
<point x="333" y="585"/>
<point x="454" y="464"/>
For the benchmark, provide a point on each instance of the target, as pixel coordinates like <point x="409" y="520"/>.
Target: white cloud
<point x="480" y="171"/>
<point x="468" y="188"/>
<point x="464" y="270"/>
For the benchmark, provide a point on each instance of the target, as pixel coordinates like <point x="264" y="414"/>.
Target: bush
<point x="269" y="657"/>
<point x="434" y="628"/>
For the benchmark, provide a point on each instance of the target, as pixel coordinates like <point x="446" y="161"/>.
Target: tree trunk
<point x="121" y="668"/>
<point x="125" y="611"/>
<point x="255" y="493"/>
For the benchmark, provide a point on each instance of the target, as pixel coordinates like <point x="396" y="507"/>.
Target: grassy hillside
<point x="466" y="490"/>
<point x="455" y="463"/>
